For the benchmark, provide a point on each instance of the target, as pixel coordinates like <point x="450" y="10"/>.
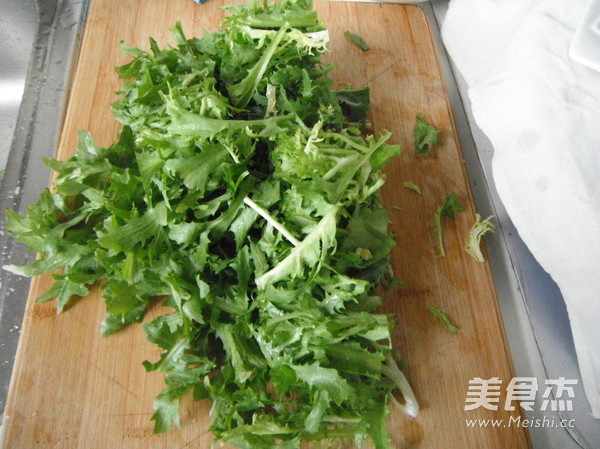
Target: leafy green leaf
<point x="448" y="209"/>
<point x="451" y="206"/>
<point x="311" y="252"/>
<point x="354" y="103"/>
<point x="136" y="230"/>
<point x="243" y="91"/>
<point x="443" y="318"/>
<point x="426" y="136"/>
<point x="325" y="379"/>
<point x="63" y="289"/>
<point x="357" y="40"/>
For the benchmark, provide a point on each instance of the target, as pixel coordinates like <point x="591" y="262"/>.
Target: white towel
<point x="541" y="111"/>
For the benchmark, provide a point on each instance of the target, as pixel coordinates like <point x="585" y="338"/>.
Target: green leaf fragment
<point x="243" y="91"/>
<point x="122" y="238"/>
<point x="358" y="40"/>
<point x="448" y="209"/>
<point x="451" y="206"/>
<point x="166" y="407"/>
<point x="411" y="186"/>
<point x="443" y="318"/>
<point x="354" y="103"/>
<point x="63" y="290"/>
<point x="311" y="252"/>
<point x="325" y="379"/>
<point x="376" y="419"/>
<point x="477" y="231"/>
<point x="426" y="136"/>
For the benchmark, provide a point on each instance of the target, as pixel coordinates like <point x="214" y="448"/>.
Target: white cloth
<point x="541" y="111"/>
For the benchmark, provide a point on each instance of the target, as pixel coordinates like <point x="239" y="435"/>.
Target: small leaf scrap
<point x="426" y="136"/>
<point x="357" y="40"/>
<point x="441" y="316"/>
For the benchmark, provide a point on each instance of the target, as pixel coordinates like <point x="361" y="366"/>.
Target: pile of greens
<point x="241" y="193"/>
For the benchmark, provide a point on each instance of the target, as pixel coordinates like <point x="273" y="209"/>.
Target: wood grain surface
<point x="73" y="389"/>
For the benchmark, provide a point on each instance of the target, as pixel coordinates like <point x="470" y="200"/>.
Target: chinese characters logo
<point x="486" y="393"/>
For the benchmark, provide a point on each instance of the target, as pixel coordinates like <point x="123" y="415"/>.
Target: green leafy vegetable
<point x="477" y="231"/>
<point x="448" y="209"/>
<point x="241" y="193"/>
<point x="242" y="92"/>
<point x="450" y="206"/>
<point x="354" y="103"/>
<point x="426" y="136"/>
<point x="357" y="40"/>
<point x="443" y="318"/>
<point x="411" y="186"/>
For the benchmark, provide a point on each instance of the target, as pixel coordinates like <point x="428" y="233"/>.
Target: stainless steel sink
<point x="18" y="23"/>
<point x="40" y="42"/>
<point x="40" y="47"/>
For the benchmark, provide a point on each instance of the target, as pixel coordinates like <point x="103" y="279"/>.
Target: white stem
<point x="339" y="419"/>
<point x="391" y="370"/>
<point x="339" y="166"/>
<point x="263" y="213"/>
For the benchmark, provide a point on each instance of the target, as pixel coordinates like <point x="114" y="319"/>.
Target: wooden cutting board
<point x="72" y="389"/>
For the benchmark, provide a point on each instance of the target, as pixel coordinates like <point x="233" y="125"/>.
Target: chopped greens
<point x="477" y="231"/>
<point x="443" y="318"/>
<point x="240" y="194"/>
<point x="426" y="136"/>
<point x="354" y="103"/>
<point x="448" y="209"/>
<point x="411" y="186"/>
<point x="357" y="40"/>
